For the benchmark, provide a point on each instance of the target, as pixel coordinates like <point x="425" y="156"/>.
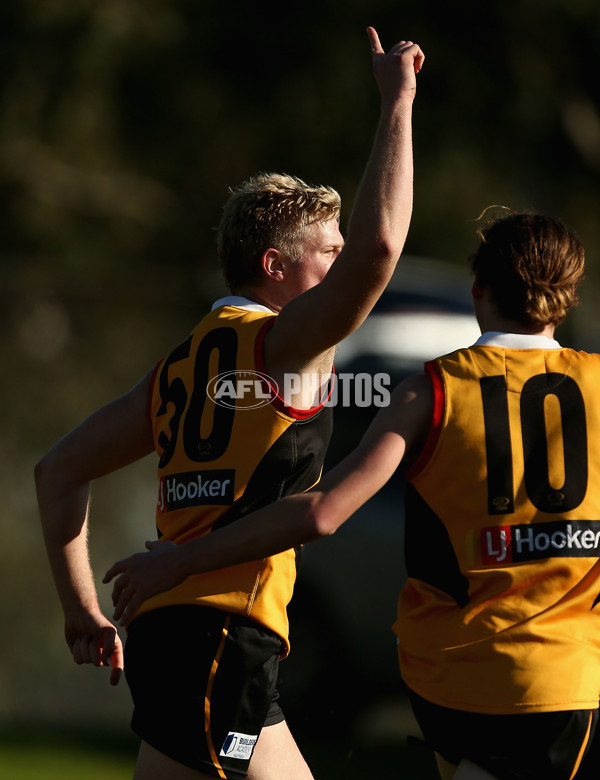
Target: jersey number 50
<point x="186" y="420"/>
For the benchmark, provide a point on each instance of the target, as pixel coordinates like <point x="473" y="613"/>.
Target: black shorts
<point x="527" y="746"/>
<point x="203" y="684"/>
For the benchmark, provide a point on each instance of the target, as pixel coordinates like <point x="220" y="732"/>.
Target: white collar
<point x="494" y="338"/>
<point x="240" y="303"/>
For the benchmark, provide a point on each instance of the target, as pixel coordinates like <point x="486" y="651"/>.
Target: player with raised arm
<point x="201" y="659"/>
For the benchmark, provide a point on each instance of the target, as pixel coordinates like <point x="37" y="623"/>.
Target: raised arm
<point x="111" y="438"/>
<point x="397" y="430"/>
<point x="321" y="317"/>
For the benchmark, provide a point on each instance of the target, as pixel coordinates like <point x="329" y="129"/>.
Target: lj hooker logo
<point x="558" y="539"/>
<point x="196" y="488"/>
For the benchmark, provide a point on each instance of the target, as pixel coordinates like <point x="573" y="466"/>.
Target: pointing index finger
<point x="376" y="46"/>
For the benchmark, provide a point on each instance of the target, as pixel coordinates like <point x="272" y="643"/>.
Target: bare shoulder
<point x="298" y="340"/>
<point x="415" y="383"/>
<point x="409" y="412"/>
<point x="415" y="391"/>
<point x="302" y="373"/>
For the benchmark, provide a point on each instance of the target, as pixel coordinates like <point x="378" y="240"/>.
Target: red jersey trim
<point x="439" y="401"/>
<point x="278" y="401"/>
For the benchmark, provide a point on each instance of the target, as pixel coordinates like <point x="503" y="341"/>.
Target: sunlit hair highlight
<point x="270" y="210"/>
<point x="531" y="264"/>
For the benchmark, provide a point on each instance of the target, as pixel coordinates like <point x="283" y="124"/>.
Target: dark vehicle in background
<point x="343" y="653"/>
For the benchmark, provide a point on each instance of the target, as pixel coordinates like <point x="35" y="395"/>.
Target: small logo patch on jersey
<point x="196" y="488"/>
<point x="531" y="542"/>
<point x="238" y="745"/>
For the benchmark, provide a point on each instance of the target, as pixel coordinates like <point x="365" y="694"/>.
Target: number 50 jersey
<point x="500" y="613"/>
<point x="229" y="445"/>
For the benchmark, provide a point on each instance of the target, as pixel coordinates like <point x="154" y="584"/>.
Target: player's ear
<point x="273" y="265"/>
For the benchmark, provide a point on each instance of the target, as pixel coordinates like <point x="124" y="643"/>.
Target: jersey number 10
<point x="498" y="443"/>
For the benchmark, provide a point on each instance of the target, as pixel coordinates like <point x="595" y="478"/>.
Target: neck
<point x="490" y="318"/>
<point x="501" y="325"/>
<point x="262" y="297"/>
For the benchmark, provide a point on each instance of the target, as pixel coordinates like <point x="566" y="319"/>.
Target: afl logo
<point x="242" y="389"/>
<point x="501" y="503"/>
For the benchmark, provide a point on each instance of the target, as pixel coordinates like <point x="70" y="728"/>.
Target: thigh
<point x="469" y="771"/>
<point x="202" y="682"/>
<point x="464" y="771"/>
<point x="277" y="756"/>
<point x="445" y="768"/>
<point x="154" y="765"/>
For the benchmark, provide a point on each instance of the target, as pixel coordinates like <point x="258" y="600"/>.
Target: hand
<point x="93" y="639"/>
<point x="143" y="575"/>
<point x="395" y="72"/>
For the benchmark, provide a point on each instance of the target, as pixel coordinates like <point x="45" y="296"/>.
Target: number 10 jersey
<point x="500" y="613"/>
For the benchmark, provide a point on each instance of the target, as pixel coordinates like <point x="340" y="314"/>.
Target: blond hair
<point x="532" y="265"/>
<point x="270" y="210"/>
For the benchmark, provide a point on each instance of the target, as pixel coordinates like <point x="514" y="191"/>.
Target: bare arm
<point x="321" y="317"/>
<point x="397" y="430"/>
<point x="114" y="436"/>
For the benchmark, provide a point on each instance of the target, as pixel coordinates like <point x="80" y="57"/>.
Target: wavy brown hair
<point x="270" y="210"/>
<point x="532" y="265"/>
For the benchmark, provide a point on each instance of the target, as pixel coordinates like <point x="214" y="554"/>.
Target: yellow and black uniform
<point x="228" y="445"/>
<point x="500" y="612"/>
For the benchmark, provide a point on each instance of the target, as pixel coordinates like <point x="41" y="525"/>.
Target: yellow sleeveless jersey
<point x="500" y="612"/>
<point x="228" y="445"/>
